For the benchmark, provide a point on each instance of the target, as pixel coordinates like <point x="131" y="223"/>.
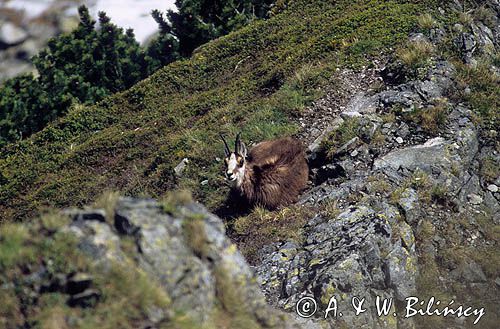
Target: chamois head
<point x="235" y="161"/>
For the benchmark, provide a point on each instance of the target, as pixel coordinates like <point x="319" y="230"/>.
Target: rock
<point x="399" y="140"/>
<point x="68" y="23"/>
<point x="328" y="171"/>
<point x="431" y="153"/>
<point x="189" y="270"/>
<point x="475" y="199"/>
<point x="401" y="273"/>
<point x="406" y="99"/>
<point x="86" y="299"/>
<point x="428" y="90"/>
<point x="11" y="34"/>
<point x="78" y="283"/>
<point x="362" y="104"/>
<point x="314" y="149"/>
<point x="470" y="271"/>
<point x="403" y="130"/>
<point x="492" y="188"/>
<point x="179" y="169"/>
<point x="93" y="214"/>
<point x="26" y="50"/>
<point x="10" y="68"/>
<point x="351" y="114"/>
<point x="331" y="262"/>
<point x="482" y="34"/>
<point x="408" y="202"/>
<point x="352" y="143"/>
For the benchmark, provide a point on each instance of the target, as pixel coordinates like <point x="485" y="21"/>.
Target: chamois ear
<point x="243" y="150"/>
<point x="239" y="146"/>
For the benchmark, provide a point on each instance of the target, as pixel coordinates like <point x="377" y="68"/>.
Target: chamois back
<point x="276" y="172"/>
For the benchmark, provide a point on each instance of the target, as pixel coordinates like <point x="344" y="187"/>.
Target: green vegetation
<point x="198" y="21"/>
<point x="132" y="141"/>
<point x="262" y="227"/>
<point x="347" y="130"/>
<point x="88" y="64"/>
<point x="83" y="66"/>
<point x="426" y="22"/>
<point x="125" y="293"/>
<point x="483" y="93"/>
<point x="416" y="56"/>
<point x="477" y="84"/>
<point x="489" y="169"/>
<point x="431" y="118"/>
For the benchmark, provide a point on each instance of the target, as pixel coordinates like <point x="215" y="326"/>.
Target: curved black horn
<point x="226" y="147"/>
<point x="237" y="143"/>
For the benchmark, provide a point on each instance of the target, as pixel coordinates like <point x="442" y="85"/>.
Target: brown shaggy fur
<point x="276" y="172"/>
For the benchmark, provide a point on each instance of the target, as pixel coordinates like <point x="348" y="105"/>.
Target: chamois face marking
<point x="235" y="168"/>
<point x="235" y="161"/>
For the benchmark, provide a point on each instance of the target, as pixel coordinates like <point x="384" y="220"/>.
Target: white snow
<point x="124" y="13"/>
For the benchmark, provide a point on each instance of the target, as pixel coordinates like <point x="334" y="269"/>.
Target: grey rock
<point x="492" y="188"/>
<point x="189" y="275"/>
<point x="10" y="68"/>
<point x="406" y="99"/>
<point x="401" y="273"/>
<point x="428" y="90"/>
<point x="11" y="34"/>
<point x="88" y="298"/>
<point x="431" y="153"/>
<point x="471" y="272"/>
<point x="399" y="140"/>
<point x="362" y="104"/>
<point x="482" y="34"/>
<point x="350" y="145"/>
<point x="403" y="130"/>
<point x="475" y="199"/>
<point x="350" y="114"/>
<point x="418" y="37"/>
<point x="78" y="283"/>
<point x="179" y="169"/>
<point x="314" y="147"/>
<point x="408" y="202"/>
<point x="332" y="260"/>
<point x="92" y="214"/>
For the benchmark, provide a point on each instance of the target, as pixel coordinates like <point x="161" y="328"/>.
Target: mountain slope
<point x="255" y="80"/>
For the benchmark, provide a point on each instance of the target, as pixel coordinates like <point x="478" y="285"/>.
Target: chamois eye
<point x="240" y="161"/>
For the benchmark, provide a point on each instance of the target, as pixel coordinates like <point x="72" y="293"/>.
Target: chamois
<point x="271" y="175"/>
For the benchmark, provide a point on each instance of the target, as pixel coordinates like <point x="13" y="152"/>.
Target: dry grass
<point x="262" y="227"/>
<point x="434" y="117"/>
<point x="416" y="54"/>
<point x="426" y="21"/>
<point x="107" y="201"/>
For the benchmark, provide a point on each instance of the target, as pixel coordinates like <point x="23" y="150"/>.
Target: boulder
<point x="11" y="34"/>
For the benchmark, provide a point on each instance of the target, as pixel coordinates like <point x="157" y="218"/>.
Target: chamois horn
<point x="237" y="143"/>
<point x="227" y="151"/>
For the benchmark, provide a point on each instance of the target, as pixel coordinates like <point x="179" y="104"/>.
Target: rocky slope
<point x="403" y="201"/>
<point x="409" y="209"/>
<point x="169" y="265"/>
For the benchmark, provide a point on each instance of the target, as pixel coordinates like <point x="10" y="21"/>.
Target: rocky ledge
<point x="178" y="249"/>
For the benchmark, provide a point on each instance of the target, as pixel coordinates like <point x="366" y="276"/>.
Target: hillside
<point x="256" y="80"/>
